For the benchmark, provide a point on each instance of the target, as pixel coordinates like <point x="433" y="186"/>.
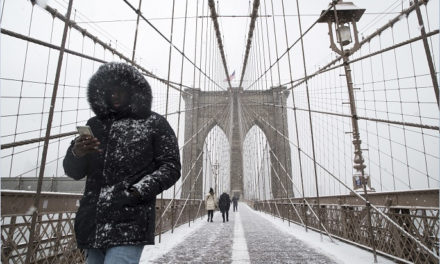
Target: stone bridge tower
<point x="236" y="111"/>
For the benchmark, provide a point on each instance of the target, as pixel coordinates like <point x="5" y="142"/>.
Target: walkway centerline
<point x="240" y="253"/>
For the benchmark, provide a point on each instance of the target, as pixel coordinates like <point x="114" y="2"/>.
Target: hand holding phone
<point x="85" y="131"/>
<point x="86" y="143"/>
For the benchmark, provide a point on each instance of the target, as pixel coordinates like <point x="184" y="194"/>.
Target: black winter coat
<point x="140" y="150"/>
<point x="224" y="202"/>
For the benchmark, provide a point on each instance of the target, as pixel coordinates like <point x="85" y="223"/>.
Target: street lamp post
<point x="342" y="15"/>
<point x="215" y="167"/>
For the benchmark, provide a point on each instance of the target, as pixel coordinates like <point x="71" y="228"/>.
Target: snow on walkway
<point x="268" y="244"/>
<point x="168" y="241"/>
<point x="339" y="251"/>
<point x="240" y="252"/>
<point x="250" y="237"/>
<point x="211" y="243"/>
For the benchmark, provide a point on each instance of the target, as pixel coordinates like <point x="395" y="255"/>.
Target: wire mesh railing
<point x="346" y="219"/>
<point x="54" y="240"/>
<point x="45" y="106"/>
<point x="364" y="119"/>
<point x="376" y="103"/>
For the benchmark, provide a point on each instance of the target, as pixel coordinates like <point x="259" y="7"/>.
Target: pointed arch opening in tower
<point x="216" y="162"/>
<point x="257" y="180"/>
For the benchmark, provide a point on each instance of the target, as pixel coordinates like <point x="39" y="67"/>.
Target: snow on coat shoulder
<point x="140" y="152"/>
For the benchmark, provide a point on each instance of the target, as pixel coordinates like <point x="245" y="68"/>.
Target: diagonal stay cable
<point x="207" y="123"/>
<point x="387" y="218"/>
<point x="291" y="46"/>
<point x="73" y="24"/>
<point x="187" y="197"/>
<point x="290" y="178"/>
<point x="66" y="134"/>
<point x="279" y="179"/>
<point x="370" y="119"/>
<point x="305" y="200"/>
<point x="254" y="16"/>
<point x="171" y="44"/>
<point x="367" y="39"/>
<point x="264" y="185"/>
<point x="326" y="68"/>
<point x="183" y="181"/>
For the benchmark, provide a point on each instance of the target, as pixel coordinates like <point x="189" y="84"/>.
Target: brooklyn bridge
<point x="321" y="117"/>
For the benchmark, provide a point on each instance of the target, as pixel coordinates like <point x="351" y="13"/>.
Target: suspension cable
<point x="180" y="106"/>
<point x="167" y="40"/>
<point x="355" y="193"/>
<point x="282" y="185"/>
<point x="254" y="16"/>
<point x="291" y="46"/>
<point x="309" y="108"/>
<point x="366" y="40"/>
<point x="219" y="39"/>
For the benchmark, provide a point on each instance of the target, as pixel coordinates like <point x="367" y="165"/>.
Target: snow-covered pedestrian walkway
<point x="250" y="237"/>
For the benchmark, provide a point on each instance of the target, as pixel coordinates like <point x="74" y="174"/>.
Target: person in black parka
<point x="224" y="203"/>
<point x="133" y="156"/>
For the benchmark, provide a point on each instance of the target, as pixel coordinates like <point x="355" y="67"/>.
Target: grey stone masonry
<point x="236" y="111"/>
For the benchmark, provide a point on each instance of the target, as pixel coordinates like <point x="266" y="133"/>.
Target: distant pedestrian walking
<point x="210" y="204"/>
<point x="235" y="201"/>
<point x="224" y="204"/>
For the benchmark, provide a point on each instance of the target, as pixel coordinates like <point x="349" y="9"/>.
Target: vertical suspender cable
<point x="276" y="42"/>
<point x="44" y="101"/>
<point x="180" y="108"/>
<point x="418" y="98"/>
<point x="198" y="100"/>
<point x="138" y="11"/>
<point x="296" y="120"/>
<point x="32" y="235"/>
<point x="21" y="91"/>
<point x="387" y="113"/>
<point x="268" y="45"/>
<point x="62" y="97"/>
<point x="254" y="16"/>
<point x="310" y="119"/>
<point x="401" y="109"/>
<point x="281" y="96"/>
<point x="219" y="39"/>
<point x="193" y="102"/>
<point x="167" y="99"/>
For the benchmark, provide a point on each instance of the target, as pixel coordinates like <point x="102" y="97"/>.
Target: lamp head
<point x="346" y="11"/>
<point x="342" y="14"/>
<point x="343" y="34"/>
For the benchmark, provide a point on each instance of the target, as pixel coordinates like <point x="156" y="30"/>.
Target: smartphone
<point x="85" y="131"/>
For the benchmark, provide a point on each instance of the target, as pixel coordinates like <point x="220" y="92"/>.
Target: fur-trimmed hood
<point x="127" y="77"/>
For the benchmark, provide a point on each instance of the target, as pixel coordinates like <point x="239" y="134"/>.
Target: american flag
<point x="230" y="78"/>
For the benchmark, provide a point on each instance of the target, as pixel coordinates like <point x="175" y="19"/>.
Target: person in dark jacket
<point x="235" y="202"/>
<point x="224" y="204"/>
<point x="132" y="157"/>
